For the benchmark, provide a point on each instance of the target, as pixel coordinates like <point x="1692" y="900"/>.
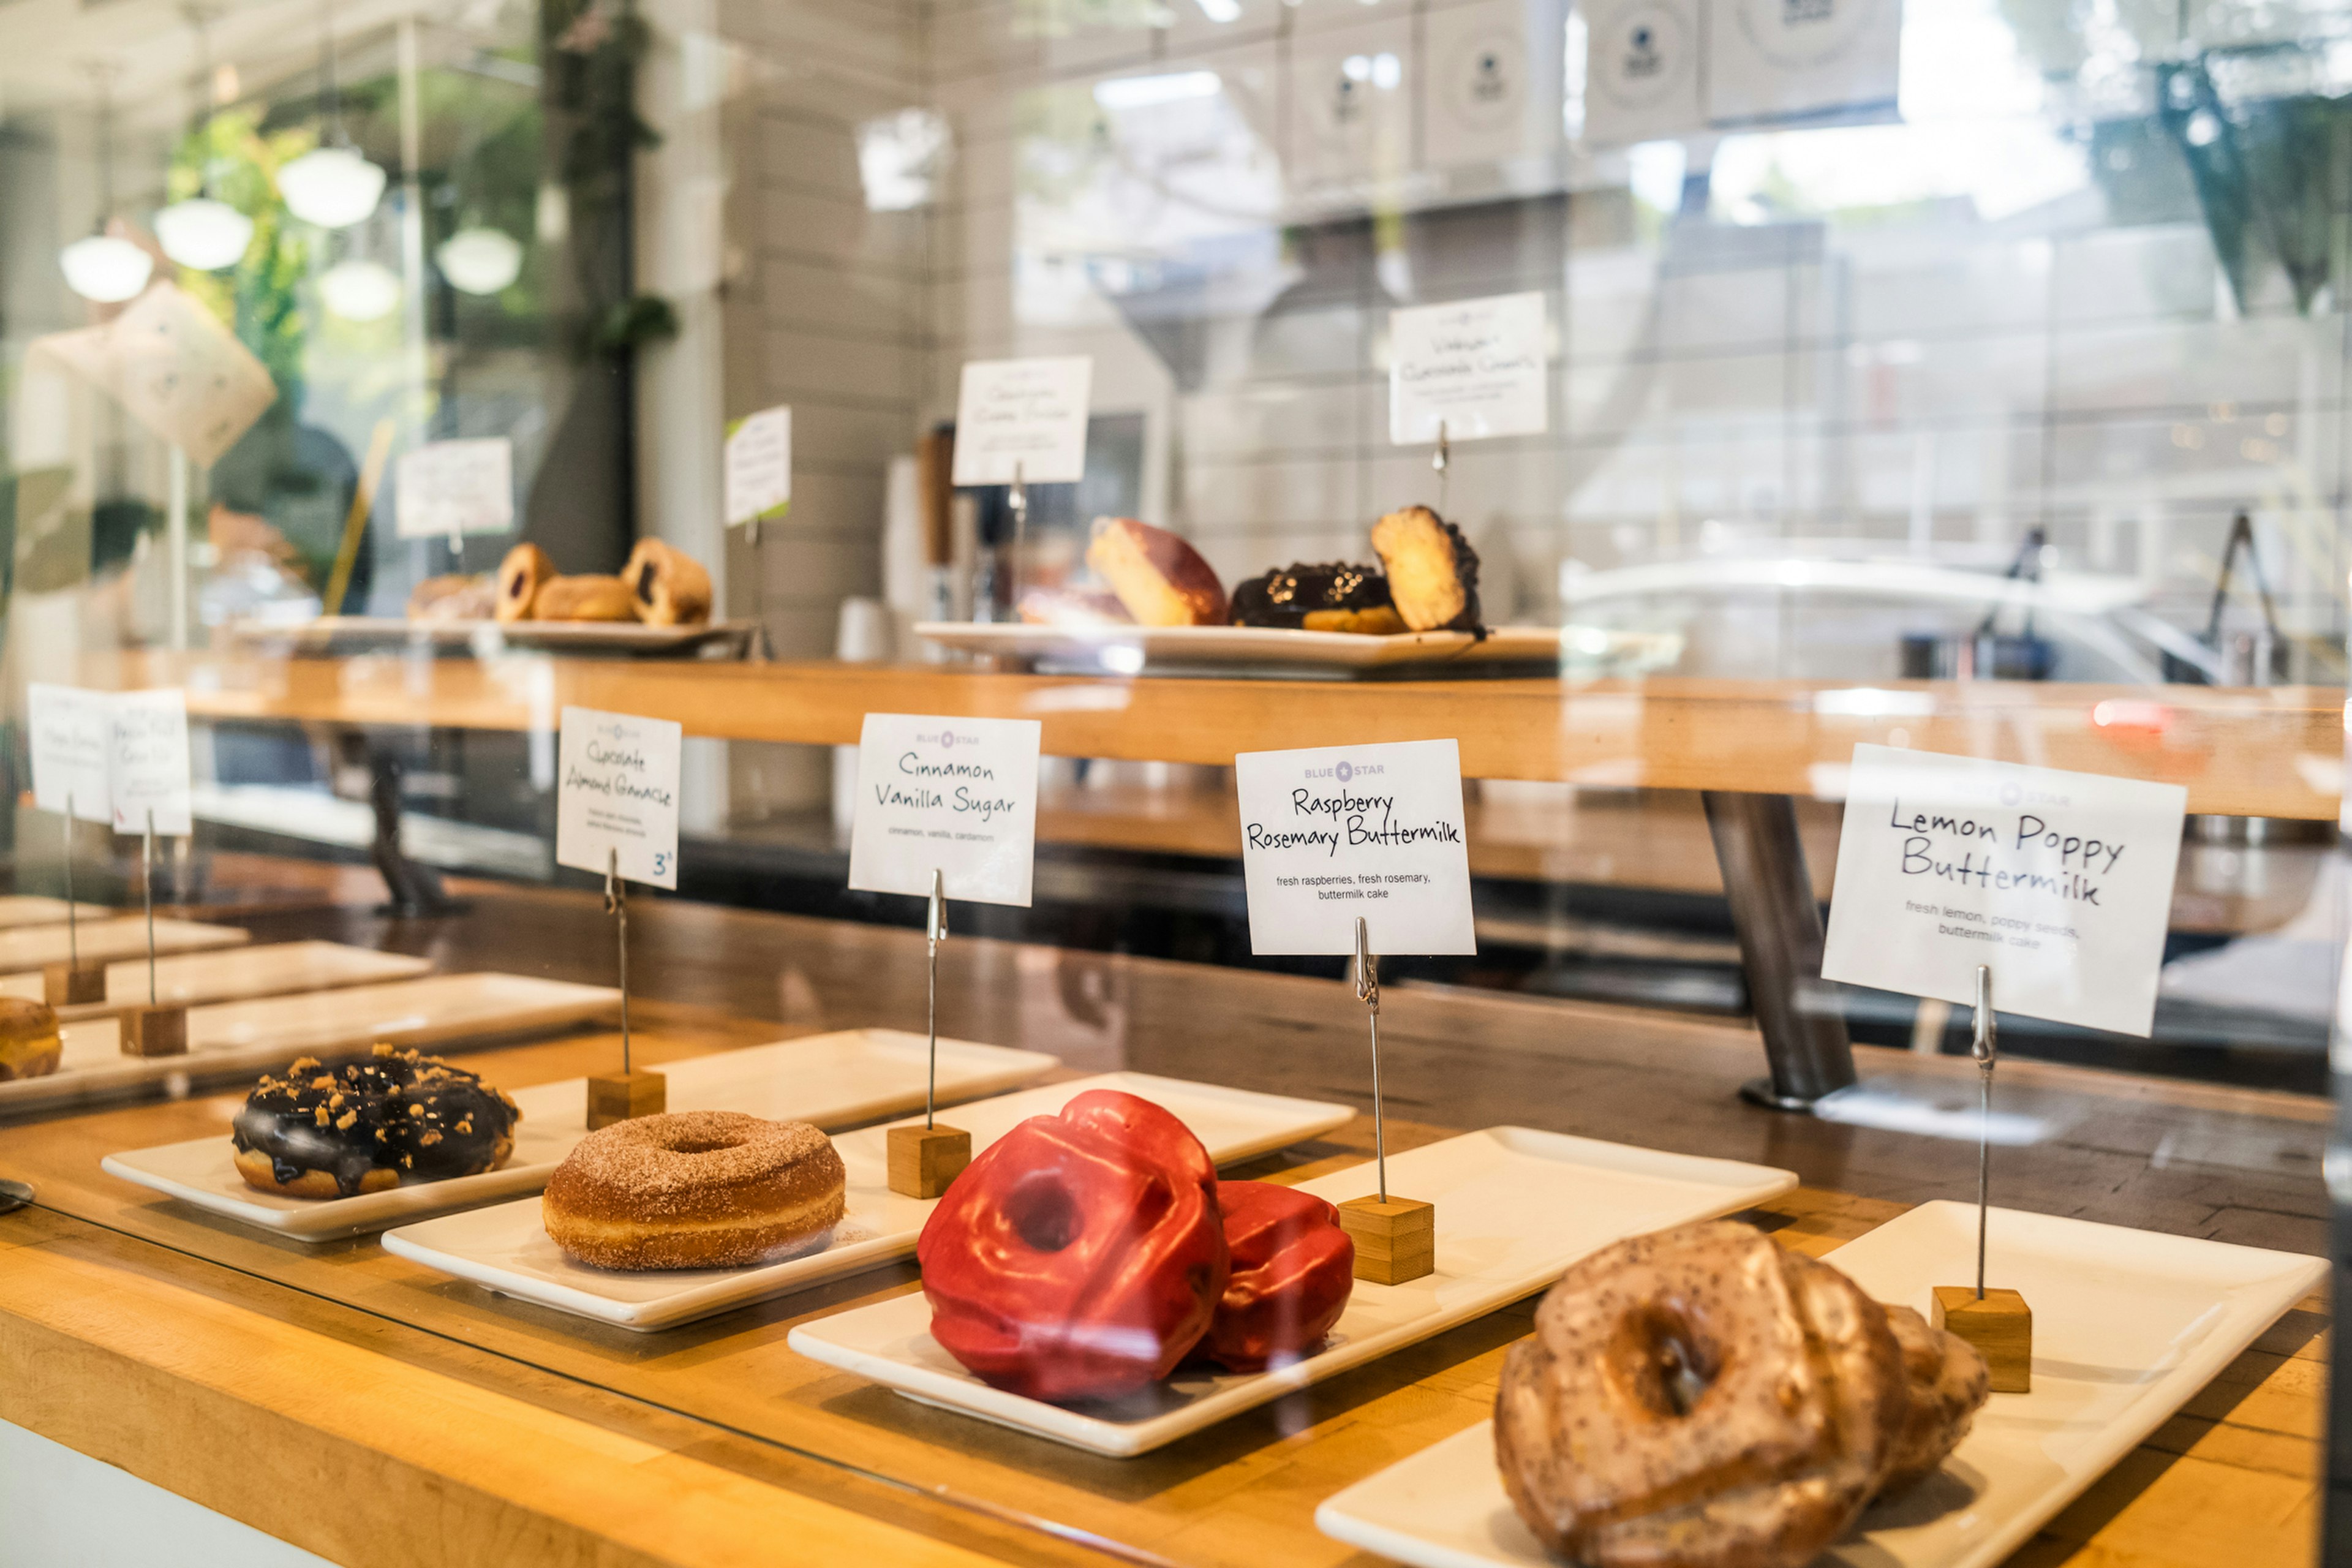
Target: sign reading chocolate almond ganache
<point x="616" y="796"/>
<point x="958" y="797"/>
<point x="2061" y="882"/>
<point x="1332" y="833"/>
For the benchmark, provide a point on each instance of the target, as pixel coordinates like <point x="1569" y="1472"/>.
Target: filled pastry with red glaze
<point x="1081" y="1255"/>
<point x="1293" y="1271"/>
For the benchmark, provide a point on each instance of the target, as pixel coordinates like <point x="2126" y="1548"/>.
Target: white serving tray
<point x="31" y="909"/>
<point x="118" y="936"/>
<point x="1146" y="650"/>
<point x="1515" y="1206"/>
<point x="506" y="1247"/>
<point x="229" y="1038"/>
<point x="274" y="969"/>
<point x="490" y="637"/>
<point x="2127" y="1325"/>
<point x="833" y="1080"/>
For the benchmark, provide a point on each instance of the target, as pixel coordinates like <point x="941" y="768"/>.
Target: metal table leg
<point x="1779" y="930"/>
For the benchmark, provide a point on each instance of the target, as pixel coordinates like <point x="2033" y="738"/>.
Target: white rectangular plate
<point x="1515" y="1206"/>
<point x="833" y="1080"/>
<point x="31" y="909"/>
<point x="491" y="636"/>
<point x="118" y="936"/>
<point x="2127" y="1325"/>
<point x="230" y="1037"/>
<point x="506" y="1247"/>
<point x="1139" y="650"/>
<point x="274" y="969"/>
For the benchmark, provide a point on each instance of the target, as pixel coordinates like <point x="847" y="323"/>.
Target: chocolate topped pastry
<point x="1335" y="597"/>
<point x="365" y="1127"/>
<point x="1432" y="572"/>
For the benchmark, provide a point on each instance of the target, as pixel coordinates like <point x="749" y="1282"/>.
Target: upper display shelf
<point x="2270" y="751"/>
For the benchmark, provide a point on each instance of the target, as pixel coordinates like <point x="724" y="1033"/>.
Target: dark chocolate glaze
<point x="397" y="1111"/>
<point x="1287" y="594"/>
<point x="1465" y="567"/>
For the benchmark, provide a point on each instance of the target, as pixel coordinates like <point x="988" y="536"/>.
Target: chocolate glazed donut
<point x="1703" y="1398"/>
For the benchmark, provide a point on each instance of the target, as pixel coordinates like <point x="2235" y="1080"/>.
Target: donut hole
<point x="1042" y="1212"/>
<point x="705" y="1145"/>
<point x="1665" y="1362"/>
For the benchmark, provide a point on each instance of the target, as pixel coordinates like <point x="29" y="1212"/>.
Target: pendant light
<point x="479" y="259"/>
<point x="359" y="290"/>
<point x="105" y="267"/>
<point x="200" y="233"/>
<point x="332" y="185"/>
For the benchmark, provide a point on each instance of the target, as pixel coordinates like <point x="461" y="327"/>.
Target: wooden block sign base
<point x="2001" y="1328"/>
<point x="73" y="985"/>
<point x="924" y="1160"/>
<point x="154" y="1031"/>
<point x="1395" y="1241"/>
<point x="625" y="1096"/>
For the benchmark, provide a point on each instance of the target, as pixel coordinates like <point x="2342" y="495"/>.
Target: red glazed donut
<point x="1294" y="1269"/>
<point x="1080" y="1256"/>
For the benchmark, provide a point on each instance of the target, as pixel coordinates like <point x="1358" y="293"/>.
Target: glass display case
<point x="461" y="1055"/>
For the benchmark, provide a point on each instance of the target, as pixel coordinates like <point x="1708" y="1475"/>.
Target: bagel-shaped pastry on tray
<point x="671" y="588"/>
<point x="695" y="1189"/>
<point x="1081" y="1255"/>
<point x="524" y="571"/>
<point x="1702" y="1395"/>
<point x="1294" y="1269"/>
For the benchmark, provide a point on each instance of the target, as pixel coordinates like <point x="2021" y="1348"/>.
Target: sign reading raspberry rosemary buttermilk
<point x="616" y="796"/>
<point x="1333" y="833"/>
<point x="2061" y="882"/>
<point x="958" y="797"/>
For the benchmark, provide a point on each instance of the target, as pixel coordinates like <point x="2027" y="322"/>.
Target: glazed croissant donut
<point x="1700" y="1397"/>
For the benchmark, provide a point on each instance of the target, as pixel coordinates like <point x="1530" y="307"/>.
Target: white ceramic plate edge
<point x="1126" y="1440"/>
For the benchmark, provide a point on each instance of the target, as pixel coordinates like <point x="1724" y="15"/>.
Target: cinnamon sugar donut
<point x="1701" y="1397"/>
<point x="694" y="1189"/>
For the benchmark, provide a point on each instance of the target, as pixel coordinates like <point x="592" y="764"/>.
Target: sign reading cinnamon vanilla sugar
<point x="958" y="797"/>
<point x="1335" y="831"/>
<point x="147" y="761"/>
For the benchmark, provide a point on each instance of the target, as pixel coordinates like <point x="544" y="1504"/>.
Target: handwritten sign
<point x="147" y="761"/>
<point x="616" y="791"/>
<point x="2061" y="882"/>
<point x="450" y="489"/>
<point x="760" y="466"/>
<point x="1023" y="415"/>
<point x="71" y="734"/>
<point x="958" y="796"/>
<point x="1334" y="832"/>
<point x="1477" y="366"/>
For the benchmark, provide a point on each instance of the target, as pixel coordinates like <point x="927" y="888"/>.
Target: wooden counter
<point x="429" y="1421"/>
<point x="2270" y="752"/>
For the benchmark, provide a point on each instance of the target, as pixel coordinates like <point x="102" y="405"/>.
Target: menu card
<point x="954" y="796"/>
<point x="1477" y="366"/>
<point x="616" y="791"/>
<point x="446" y="489"/>
<point x="1334" y="832"/>
<point x="71" y="733"/>
<point x="760" y="466"/>
<point x="147" y="761"/>
<point x="2061" y="882"/>
<point x="1024" y="417"/>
